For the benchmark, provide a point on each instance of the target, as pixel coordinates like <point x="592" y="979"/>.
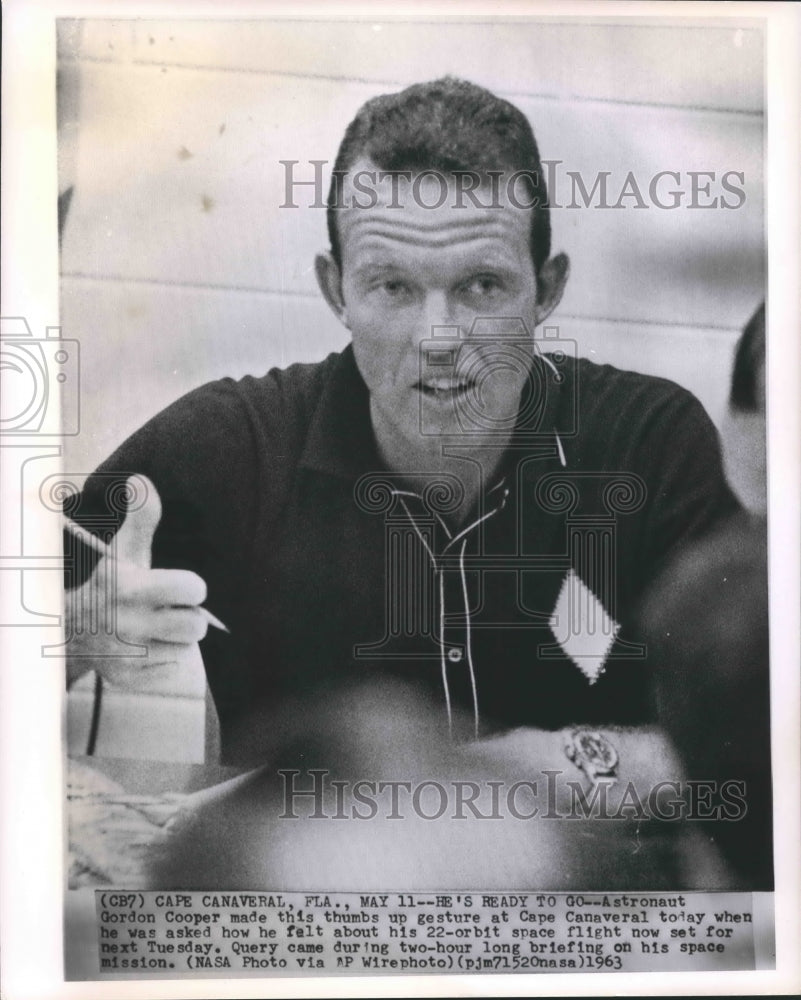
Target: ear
<point x="330" y="281"/>
<point x="550" y="286"/>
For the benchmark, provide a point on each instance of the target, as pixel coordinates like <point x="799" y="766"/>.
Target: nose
<point x="437" y="335"/>
<point x="437" y="321"/>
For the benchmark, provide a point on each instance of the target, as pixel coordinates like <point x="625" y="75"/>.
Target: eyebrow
<point x="474" y="265"/>
<point x="373" y="268"/>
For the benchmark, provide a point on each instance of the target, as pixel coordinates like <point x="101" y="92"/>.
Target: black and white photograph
<point x="405" y="426"/>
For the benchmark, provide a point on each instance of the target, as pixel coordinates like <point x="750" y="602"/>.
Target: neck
<point x="420" y="463"/>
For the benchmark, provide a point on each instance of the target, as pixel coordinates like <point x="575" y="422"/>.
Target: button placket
<point x="454" y="638"/>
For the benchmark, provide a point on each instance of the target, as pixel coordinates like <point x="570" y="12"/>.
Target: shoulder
<point x="628" y="411"/>
<point x="652" y="428"/>
<point x="607" y="387"/>
<point x="280" y="395"/>
<point x="228" y="430"/>
<point x="236" y="414"/>
<point x="221" y="452"/>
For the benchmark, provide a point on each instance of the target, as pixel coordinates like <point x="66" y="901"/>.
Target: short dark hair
<point x="449" y="125"/>
<point x="749" y="361"/>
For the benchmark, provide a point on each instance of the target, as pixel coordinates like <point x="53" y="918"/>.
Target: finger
<point x="134" y="541"/>
<point x="138" y="674"/>
<point x="160" y="588"/>
<point x="126" y="669"/>
<point x="178" y="626"/>
<point x="164" y="654"/>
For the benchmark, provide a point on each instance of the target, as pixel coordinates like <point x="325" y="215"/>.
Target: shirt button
<point x="454" y="654"/>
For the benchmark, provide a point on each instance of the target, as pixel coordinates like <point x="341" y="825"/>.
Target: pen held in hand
<point x="212" y="620"/>
<point x="101" y="548"/>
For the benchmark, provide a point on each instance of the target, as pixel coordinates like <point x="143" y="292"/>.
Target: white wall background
<point x="178" y="265"/>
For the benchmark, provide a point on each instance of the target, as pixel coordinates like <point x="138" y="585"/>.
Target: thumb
<point x="135" y="537"/>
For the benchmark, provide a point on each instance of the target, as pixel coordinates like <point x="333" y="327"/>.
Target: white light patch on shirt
<point x="583" y="627"/>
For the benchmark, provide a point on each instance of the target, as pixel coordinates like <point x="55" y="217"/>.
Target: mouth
<point x="444" y="387"/>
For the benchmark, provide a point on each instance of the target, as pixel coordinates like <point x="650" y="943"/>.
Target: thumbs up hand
<point x="128" y="618"/>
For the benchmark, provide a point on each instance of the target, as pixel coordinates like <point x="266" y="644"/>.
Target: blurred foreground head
<point x="706" y="625"/>
<point x="743" y="431"/>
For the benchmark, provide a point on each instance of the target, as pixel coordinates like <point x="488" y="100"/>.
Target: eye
<point x="483" y="286"/>
<point x="394" y="289"/>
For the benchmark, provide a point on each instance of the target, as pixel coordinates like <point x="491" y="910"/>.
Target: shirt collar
<point x="340" y="441"/>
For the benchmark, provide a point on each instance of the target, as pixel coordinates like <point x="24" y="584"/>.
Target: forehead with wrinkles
<point x="402" y="219"/>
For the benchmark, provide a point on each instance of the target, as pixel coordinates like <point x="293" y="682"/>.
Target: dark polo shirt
<point x="327" y="569"/>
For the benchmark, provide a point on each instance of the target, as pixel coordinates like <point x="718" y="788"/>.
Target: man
<point x="441" y="502"/>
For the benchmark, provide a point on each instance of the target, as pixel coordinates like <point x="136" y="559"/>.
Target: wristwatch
<point x="593" y="753"/>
